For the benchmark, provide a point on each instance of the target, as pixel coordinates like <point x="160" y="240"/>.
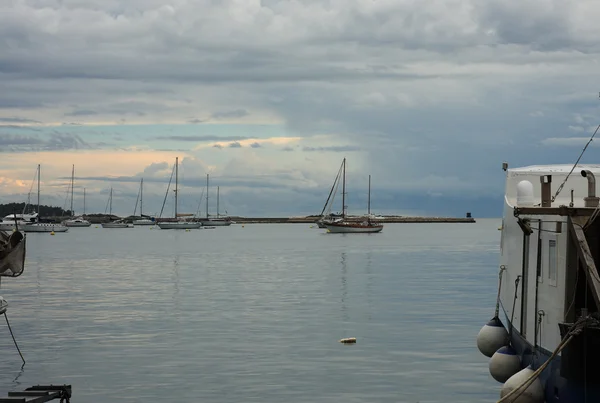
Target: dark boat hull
<point x="557" y="389"/>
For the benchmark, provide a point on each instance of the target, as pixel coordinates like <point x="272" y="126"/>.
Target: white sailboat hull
<point x="351" y="228"/>
<point x="45" y="227"/>
<point x="10" y="226"/>
<point x="116" y="225"/>
<point x="179" y="225"/>
<point x="216" y="223"/>
<point x="143" y="222"/>
<point x="78" y="223"/>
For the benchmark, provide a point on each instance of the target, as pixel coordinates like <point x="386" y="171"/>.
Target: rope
<point x="13" y="337"/>
<point x="574" y="166"/>
<point x="502" y="269"/>
<point x="575" y="330"/>
<point x="512" y="315"/>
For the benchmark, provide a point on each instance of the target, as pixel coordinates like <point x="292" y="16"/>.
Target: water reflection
<point x="344" y="273"/>
<point x="16" y="381"/>
<point x="369" y="284"/>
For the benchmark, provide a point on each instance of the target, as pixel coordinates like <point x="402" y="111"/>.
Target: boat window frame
<point x="552" y="252"/>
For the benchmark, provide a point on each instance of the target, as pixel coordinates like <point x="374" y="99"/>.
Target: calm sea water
<point x="255" y="313"/>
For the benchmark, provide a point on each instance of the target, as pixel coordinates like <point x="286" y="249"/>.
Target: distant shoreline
<point x="99" y="219"/>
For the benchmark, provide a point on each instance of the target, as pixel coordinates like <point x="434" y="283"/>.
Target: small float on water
<point x="548" y="288"/>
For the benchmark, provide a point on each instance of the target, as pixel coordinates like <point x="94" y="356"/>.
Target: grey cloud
<point x="336" y="149"/>
<point x="17" y="120"/>
<point x="48" y="142"/>
<point x="202" y="138"/>
<point x="541" y="24"/>
<point x="219" y="146"/>
<point x="12" y="140"/>
<point x="196" y="121"/>
<point x="255" y="145"/>
<point x="287" y="148"/>
<point x="235" y="144"/>
<point x="81" y="112"/>
<point x="238" y="113"/>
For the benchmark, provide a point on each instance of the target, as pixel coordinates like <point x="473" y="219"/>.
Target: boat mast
<point x="141" y="196"/>
<point x="110" y="205"/>
<point x="344" y="190"/>
<point x="217" y="201"/>
<point x="176" y="181"/>
<point x="83" y="201"/>
<point x="39" y="216"/>
<point x="72" y="183"/>
<point x="207" y="196"/>
<point x="369" y="199"/>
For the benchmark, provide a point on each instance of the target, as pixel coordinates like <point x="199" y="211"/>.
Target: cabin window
<point x="552" y="264"/>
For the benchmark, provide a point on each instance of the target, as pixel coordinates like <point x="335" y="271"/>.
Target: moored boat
<point x="117" y="223"/>
<point x="42" y="226"/>
<point x="346" y="226"/>
<point x="179" y="222"/>
<point x="363" y="227"/>
<point x="218" y="220"/>
<point x="76" y="221"/>
<point x="549" y="287"/>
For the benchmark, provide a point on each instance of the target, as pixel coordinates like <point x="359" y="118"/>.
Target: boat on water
<point x="326" y="215"/>
<point x="117" y="223"/>
<point x="13" y="222"/>
<point x="76" y="221"/>
<point x="544" y="338"/>
<point x="346" y="226"/>
<point x="179" y="222"/>
<point x="143" y="220"/>
<point x="38" y="226"/>
<point x="218" y="220"/>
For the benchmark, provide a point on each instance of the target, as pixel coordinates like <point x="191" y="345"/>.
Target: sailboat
<point x="76" y="221"/>
<point x="354" y="227"/>
<point x="117" y="223"/>
<point x="144" y="220"/>
<point x="179" y="223"/>
<point x="218" y="221"/>
<point x="327" y="216"/>
<point x="42" y="226"/>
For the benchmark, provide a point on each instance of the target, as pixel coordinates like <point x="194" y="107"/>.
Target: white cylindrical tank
<point x="504" y="363"/>
<point x="491" y="337"/>
<point x="525" y="194"/>
<point x="532" y="394"/>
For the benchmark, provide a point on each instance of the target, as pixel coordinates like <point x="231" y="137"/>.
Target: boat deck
<point x="39" y="394"/>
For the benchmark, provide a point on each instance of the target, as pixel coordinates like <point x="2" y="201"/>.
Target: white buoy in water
<point x="532" y="394"/>
<point x="491" y="337"/>
<point x="504" y="363"/>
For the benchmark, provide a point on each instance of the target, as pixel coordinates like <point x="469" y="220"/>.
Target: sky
<point x="429" y="97"/>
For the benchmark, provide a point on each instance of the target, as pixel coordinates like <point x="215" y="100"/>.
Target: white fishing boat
<point x="218" y="220"/>
<point x="549" y="287"/>
<point x="346" y="226"/>
<point x="42" y="226"/>
<point x="116" y="223"/>
<point x="179" y="222"/>
<point x="143" y="220"/>
<point x="76" y="221"/>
